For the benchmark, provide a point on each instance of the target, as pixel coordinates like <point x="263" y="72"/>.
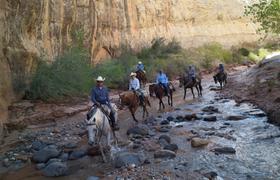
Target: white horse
<point x="98" y="126"/>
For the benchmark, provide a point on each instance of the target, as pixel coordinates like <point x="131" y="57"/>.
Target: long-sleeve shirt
<point x="140" y="67"/>
<point x="134" y="84"/>
<point x="191" y="72"/>
<point x="100" y="95"/>
<point x="221" y="68"/>
<point x="162" y="78"/>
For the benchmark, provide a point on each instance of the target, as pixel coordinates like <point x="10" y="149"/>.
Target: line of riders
<point x="100" y="93"/>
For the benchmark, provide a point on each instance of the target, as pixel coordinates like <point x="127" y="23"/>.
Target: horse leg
<point x="192" y="92"/>
<point x="133" y="114"/>
<point x="102" y="153"/>
<point x="90" y="134"/>
<point x="145" y="111"/>
<point x="163" y="106"/>
<point x="197" y="89"/>
<point x="171" y="98"/>
<point x="185" y="91"/>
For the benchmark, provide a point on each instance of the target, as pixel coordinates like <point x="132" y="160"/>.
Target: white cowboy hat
<point x="100" y="78"/>
<point x="132" y="74"/>
<point x="139" y="62"/>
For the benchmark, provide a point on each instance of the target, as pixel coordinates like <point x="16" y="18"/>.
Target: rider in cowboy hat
<point x="140" y="67"/>
<point x="100" y="96"/>
<point x="134" y="85"/>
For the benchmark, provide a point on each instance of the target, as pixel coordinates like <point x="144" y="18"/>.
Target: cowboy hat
<point x="139" y="62"/>
<point x="132" y="74"/>
<point x="100" y="78"/>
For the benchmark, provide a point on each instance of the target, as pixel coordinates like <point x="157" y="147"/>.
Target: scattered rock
<point x="210" y="109"/>
<point x="170" y="118"/>
<point x="189" y="117"/>
<point x="163" y="142"/>
<point x="40" y="166"/>
<point x="93" y="178"/>
<point x="171" y="147"/>
<point x="125" y="159"/>
<point x="163" y="129"/>
<point x="64" y="156"/>
<point x="198" y="142"/>
<point x="164" y="122"/>
<point x="38" y="145"/>
<point x="55" y="169"/>
<point x="211" y="175"/>
<point x="257" y="114"/>
<point x="210" y="118"/>
<point x="179" y="126"/>
<point x="139" y="130"/>
<point x="166" y="138"/>
<point x="45" y="154"/>
<point x="71" y="145"/>
<point x="6" y="162"/>
<point x="236" y="117"/>
<point x="225" y="150"/>
<point x="164" y="154"/>
<point x="77" y="154"/>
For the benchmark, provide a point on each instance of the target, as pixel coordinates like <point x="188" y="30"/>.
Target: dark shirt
<point x="100" y="95"/>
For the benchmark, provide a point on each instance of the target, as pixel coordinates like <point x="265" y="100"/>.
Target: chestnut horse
<point x="132" y="101"/>
<point x="142" y="78"/>
<point x="159" y="91"/>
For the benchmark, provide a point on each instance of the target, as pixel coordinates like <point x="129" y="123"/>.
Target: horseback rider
<point x="163" y="81"/>
<point x="100" y="96"/>
<point x="140" y="67"/>
<point x="134" y="85"/>
<point x="191" y="73"/>
<point x="221" y="68"/>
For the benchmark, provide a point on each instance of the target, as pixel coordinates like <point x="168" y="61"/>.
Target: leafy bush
<point x="69" y="75"/>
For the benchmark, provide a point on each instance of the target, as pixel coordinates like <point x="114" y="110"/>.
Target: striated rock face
<point x="33" y="29"/>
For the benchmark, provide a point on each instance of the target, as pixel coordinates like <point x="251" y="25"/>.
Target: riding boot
<point x="113" y="122"/>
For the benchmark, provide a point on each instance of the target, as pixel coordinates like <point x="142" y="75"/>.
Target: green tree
<point x="267" y="14"/>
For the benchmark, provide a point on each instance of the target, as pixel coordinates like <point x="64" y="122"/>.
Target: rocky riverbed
<point x="211" y="137"/>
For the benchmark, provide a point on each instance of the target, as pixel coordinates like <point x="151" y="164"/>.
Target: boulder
<point x="210" y="109"/>
<point x="164" y="154"/>
<point x="235" y="117"/>
<point x="138" y="130"/>
<point x="164" y="122"/>
<point x="170" y="118"/>
<point x="55" y="169"/>
<point x="171" y="147"/>
<point x="165" y="137"/>
<point x="224" y="150"/>
<point x="198" y="142"/>
<point x="210" y="118"/>
<point x="45" y="154"/>
<point x="77" y="154"/>
<point x="38" y="145"/>
<point x="189" y="117"/>
<point x="125" y="159"/>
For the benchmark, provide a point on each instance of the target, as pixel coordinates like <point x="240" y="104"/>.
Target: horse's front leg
<point x="132" y="111"/>
<point x="197" y="89"/>
<point x="192" y="93"/>
<point x="91" y="134"/>
<point x="185" y="92"/>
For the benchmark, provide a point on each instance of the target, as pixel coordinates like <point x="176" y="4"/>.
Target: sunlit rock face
<point x="42" y="29"/>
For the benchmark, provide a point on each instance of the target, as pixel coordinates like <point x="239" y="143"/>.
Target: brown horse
<point x="221" y="78"/>
<point x="188" y="83"/>
<point x="131" y="99"/>
<point x="159" y="91"/>
<point x="142" y="77"/>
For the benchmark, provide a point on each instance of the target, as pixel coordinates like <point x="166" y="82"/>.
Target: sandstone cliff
<point x="33" y="29"/>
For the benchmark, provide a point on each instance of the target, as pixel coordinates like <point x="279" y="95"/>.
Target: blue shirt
<point x="134" y="84"/>
<point x="100" y="95"/>
<point x="140" y="67"/>
<point x="191" y="72"/>
<point x="162" y="78"/>
<point x="221" y="68"/>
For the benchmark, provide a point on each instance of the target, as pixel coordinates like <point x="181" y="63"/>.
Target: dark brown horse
<point x="142" y="77"/>
<point x="159" y="91"/>
<point x="189" y="83"/>
<point x="132" y="101"/>
<point x="221" y="78"/>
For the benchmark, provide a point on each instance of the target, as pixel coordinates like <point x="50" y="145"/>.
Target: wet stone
<point x="171" y="147"/>
<point x="210" y="109"/>
<point x="38" y="145"/>
<point x="71" y="145"/>
<point x="40" y="166"/>
<point x="163" y="142"/>
<point x="257" y="114"/>
<point x="189" y="117"/>
<point x="45" y="154"/>
<point x="199" y="142"/>
<point x="170" y="118"/>
<point x="210" y="118"/>
<point x="164" y="122"/>
<point x="164" y="154"/>
<point x="166" y="138"/>
<point x="139" y="130"/>
<point x="225" y="150"/>
<point x="55" y="169"/>
<point x="64" y="156"/>
<point x="77" y="154"/>
<point x="93" y="178"/>
<point x="125" y="159"/>
<point x="236" y="117"/>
